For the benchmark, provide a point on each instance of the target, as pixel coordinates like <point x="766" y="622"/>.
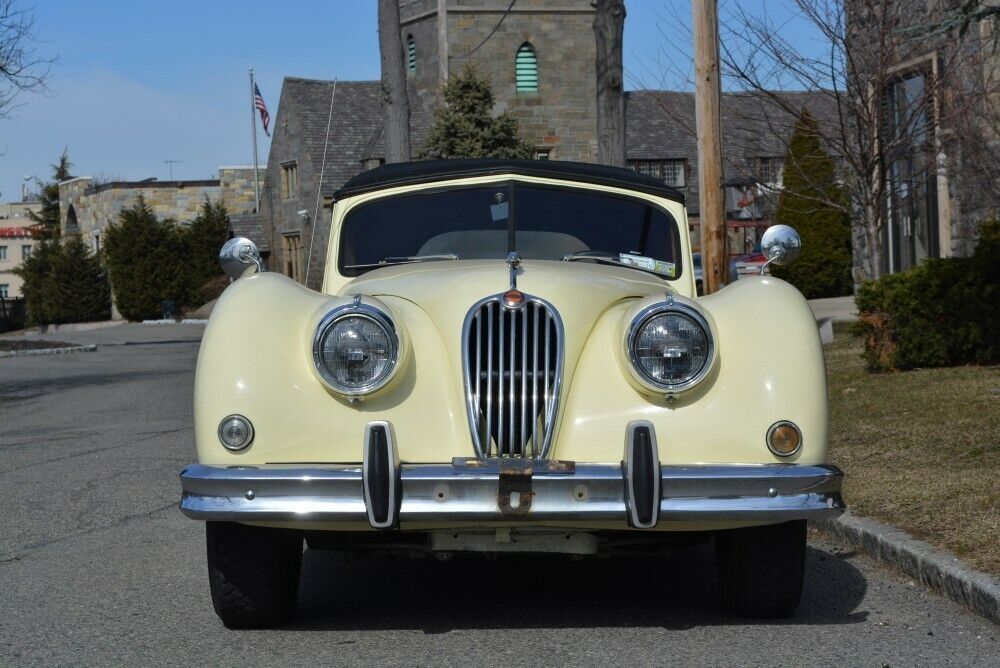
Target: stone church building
<point x="539" y="56"/>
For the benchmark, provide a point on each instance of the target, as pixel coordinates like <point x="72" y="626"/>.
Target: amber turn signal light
<point x="784" y="438"/>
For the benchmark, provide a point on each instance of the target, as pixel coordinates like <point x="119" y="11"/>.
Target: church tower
<point x="537" y="54"/>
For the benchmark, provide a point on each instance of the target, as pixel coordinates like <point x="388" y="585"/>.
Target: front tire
<point x="761" y="568"/>
<point x="253" y="573"/>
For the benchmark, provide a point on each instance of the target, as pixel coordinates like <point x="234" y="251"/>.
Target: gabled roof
<point x="660" y="125"/>
<point x="355" y="124"/>
<point x="429" y="171"/>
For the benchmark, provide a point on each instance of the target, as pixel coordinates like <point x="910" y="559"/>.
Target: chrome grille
<point x="513" y="369"/>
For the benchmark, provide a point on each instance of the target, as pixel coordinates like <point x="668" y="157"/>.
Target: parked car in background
<point x="699" y="273"/>
<point x="507" y="357"/>
<point x="749" y="264"/>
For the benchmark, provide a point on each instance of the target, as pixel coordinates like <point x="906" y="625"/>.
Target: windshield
<point x="487" y="222"/>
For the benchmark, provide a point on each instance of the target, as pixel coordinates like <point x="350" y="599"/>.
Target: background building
<point x="940" y="131"/>
<point x="87" y="207"/>
<point x="16" y="243"/>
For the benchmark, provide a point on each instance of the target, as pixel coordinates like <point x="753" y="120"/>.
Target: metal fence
<point x="11" y="314"/>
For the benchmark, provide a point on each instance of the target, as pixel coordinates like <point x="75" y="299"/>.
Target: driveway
<point x="97" y="566"/>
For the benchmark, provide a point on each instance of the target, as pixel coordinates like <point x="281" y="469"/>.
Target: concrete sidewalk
<point x="130" y="333"/>
<point x="838" y="309"/>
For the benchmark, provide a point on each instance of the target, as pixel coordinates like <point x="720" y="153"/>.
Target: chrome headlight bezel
<point x="671" y="305"/>
<point x="356" y="309"/>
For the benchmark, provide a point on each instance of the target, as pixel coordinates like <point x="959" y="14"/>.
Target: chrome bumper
<point x="449" y="494"/>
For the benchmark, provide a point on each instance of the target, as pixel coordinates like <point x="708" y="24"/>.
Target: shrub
<point x="813" y="202"/>
<point x="202" y="240"/>
<point x="941" y="313"/>
<point x="145" y="260"/>
<point x="64" y="282"/>
<point x="153" y="261"/>
<point x="79" y="290"/>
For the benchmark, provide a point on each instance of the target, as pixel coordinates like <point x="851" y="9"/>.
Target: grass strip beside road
<point x="920" y="449"/>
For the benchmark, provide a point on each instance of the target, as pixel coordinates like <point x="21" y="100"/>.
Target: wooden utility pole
<point x="708" y="115"/>
<point x="609" y="26"/>
<point x="395" y="104"/>
<point x="442" y="28"/>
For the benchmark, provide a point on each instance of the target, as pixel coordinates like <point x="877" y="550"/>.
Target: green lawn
<point x="920" y="449"/>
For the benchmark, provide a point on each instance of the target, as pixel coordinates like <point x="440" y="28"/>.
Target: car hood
<point x="580" y="291"/>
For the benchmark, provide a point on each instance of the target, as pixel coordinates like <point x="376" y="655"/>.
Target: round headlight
<point x="670" y="347"/>
<point x="355" y="349"/>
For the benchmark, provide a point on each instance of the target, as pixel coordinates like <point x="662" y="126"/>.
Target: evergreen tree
<point x="36" y="272"/>
<point x="145" y="258"/>
<point x="464" y="127"/>
<point x="809" y="203"/>
<point x="64" y="282"/>
<point x="78" y="286"/>
<point x="46" y="225"/>
<point x="202" y="240"/>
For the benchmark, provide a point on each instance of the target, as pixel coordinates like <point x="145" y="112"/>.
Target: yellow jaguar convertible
<point x="507" y="356"/>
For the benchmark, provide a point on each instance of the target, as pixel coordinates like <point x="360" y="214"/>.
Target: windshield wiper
<point x="406" y="259"/>
<point x="640" y="263"/>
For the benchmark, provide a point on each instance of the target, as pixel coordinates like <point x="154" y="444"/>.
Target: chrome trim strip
<point x="444" y="493"/>
<point x="629" y="467"/>
<point x="393" y="456"/>
<point x="677" y="305"/>
<point x="552" y="387"/>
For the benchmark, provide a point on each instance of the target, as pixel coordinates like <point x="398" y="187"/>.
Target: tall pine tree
<point x="46" y="225"/>
<point x="464" y="127"/>
<point x="809" y="191"/>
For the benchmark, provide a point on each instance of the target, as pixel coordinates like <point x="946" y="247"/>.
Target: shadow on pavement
<point x="548" y="593"/>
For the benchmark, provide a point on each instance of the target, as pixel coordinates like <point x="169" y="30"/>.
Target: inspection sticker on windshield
<point x="649" y="264"/>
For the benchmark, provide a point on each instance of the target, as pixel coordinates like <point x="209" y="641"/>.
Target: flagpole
<point x="253" y="134"/>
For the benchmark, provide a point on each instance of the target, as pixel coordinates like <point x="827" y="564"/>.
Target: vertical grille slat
<point x="534" y="382"/>
<point x="489" y="381"/>
<point x="512" y="388"/>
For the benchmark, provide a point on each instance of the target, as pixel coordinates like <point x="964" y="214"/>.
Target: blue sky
<point x="137" y="83"/>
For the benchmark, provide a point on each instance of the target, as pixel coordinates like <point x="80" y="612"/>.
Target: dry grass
<point x="921" y="449"/>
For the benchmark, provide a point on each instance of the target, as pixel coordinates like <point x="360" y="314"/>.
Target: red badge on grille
<point x="513" y="299"/>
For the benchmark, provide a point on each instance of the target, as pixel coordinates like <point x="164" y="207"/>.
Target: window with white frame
<point x="25" y="252"/>
<point x="671" y="172"/>
<point x="4" y="288"/>
<point x="3" y="252"/>
<point x="770" y="170"/>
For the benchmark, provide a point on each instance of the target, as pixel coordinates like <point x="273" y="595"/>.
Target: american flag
<point x="258" y="102"/>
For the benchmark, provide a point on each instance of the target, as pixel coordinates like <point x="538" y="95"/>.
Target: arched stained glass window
<point x="526" y="69"/>
<point x="411" y="54"/>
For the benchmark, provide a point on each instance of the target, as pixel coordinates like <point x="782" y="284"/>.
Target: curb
<point x="49" y="351"/>
<point x="933" y="568"/>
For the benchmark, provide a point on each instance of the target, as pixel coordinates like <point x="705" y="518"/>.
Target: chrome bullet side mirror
<point x="238" y="256"/>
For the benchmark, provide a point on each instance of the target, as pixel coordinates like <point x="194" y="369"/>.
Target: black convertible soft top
<point x="429" y="171"/>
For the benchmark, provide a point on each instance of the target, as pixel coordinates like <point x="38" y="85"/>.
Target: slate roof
<point x="661" y="124"/>
<point x="355" y="125"/>
<point x="248" y="225"/>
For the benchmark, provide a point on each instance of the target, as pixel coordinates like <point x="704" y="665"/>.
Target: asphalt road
<point x="97" y="566"/>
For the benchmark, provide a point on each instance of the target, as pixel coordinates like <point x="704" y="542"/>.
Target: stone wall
<point x="562" y="115"/>
<point x="86" y="208"/>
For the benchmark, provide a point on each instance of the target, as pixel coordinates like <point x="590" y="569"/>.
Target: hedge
<point x="152" y="261"/>
<point x="941" y="313"/>
<point x="64" y="282"/>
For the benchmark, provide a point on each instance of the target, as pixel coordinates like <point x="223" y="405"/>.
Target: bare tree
<point x="395" y="104"/>
<point x="21" y="69"/>
<point x="609" y="26"/>
<point x="877" y="123"/>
